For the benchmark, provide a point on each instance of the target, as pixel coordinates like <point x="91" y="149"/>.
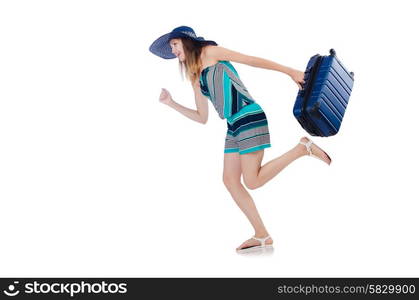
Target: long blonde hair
<point x="192" y="64"/>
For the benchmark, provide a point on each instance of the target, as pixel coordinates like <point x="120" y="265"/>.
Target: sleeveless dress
<point x="247" y="125"/>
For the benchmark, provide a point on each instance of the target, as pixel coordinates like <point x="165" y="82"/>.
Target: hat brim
<point x="161" y="46"/>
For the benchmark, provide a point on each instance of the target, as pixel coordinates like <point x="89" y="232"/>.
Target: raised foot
<point x="315" y="151"/>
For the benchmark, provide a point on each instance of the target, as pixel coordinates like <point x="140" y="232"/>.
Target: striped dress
<point x="222" y="85"/>
<point x="247" y="125"/>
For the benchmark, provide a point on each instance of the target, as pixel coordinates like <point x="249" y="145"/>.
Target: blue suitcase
<point x="321" y="104"/>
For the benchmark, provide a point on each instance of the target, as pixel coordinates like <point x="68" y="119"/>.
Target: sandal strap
<point x="261" y="240"/>
<point x="308" y="146"/>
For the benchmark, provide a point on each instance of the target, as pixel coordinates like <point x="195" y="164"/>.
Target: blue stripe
<point x="247" y="127"/>
<point x="231" y="150"/>
<point x="247" y="120"/>
<point x="253" y="149"/>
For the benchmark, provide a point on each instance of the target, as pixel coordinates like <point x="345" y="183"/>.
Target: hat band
<point x="191" y="34"/>
<point x="178" y="34"/>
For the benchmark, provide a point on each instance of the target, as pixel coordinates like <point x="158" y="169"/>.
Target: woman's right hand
<point x="165" y="97"/>
<point x="298" y="77"/>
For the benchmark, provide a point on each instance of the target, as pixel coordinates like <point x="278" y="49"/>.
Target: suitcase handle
<point x="306" y="80"/>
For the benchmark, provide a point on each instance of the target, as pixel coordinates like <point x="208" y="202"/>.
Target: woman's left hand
<point x="298" y="77"/>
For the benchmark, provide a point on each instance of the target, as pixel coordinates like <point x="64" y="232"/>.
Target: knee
<point x="251" y="183"/>
<point x="231" y="180"/>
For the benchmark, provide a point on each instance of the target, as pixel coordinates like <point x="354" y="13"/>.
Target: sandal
<point x="261" y="246"/>
<point x="308" y="146"/>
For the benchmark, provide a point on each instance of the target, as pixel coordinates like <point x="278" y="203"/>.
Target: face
<point x="177" y="49"/>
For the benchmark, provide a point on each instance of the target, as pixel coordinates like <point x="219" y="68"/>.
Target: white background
<point x="97" y="178"/>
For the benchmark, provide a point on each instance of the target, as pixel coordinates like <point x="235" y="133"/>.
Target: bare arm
<point x="221" y="53"/>
<point x="199" y="115"/>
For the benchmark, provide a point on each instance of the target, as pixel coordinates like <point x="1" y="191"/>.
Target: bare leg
<point x="255" y="176"/>
<point x="232" y="180"/>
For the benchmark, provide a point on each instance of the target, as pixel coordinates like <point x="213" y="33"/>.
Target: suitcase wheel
<point x="352" y="74"/>
<point x="332" y="52"/>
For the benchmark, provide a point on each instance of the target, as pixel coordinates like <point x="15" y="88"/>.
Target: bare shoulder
<point x="210" y="50"/>
<point x="208" y="55"/>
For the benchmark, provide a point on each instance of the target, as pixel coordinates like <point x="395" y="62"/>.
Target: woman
<point x="208" y="67"/>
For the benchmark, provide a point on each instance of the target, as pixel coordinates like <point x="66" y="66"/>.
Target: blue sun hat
<point x="161" y="46"/>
